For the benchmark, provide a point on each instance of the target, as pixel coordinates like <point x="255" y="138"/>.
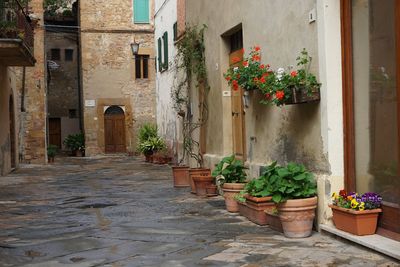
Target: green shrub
<point x="75" y="142"/>
<point x="51" y="151"/>
<point x="231" y="169"/>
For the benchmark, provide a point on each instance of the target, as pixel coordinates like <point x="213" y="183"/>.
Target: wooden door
<point x="238" y="120"/>
<point x="371" y="100"/>
<point x="55" y="132"/>
<point x="114" y="130"/>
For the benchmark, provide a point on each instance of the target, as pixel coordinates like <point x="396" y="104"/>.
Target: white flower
<point x="235" y="68"/>
<point x="279" y="73"/>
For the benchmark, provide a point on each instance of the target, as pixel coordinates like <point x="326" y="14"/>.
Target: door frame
<point x="121" y="116"/>
<point x="348" y="104"/>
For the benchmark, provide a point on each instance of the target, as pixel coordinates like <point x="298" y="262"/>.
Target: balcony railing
<point x="15" y="22"/>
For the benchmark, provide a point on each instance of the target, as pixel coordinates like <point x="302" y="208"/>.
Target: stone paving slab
<point x="120" y="211"/>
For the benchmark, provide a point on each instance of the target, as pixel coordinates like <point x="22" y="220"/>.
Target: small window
<point x="141" y="11"/>
<point x="72" y="113"/>
<point x="175" y="31"/>
<point x="165" y="44"/>
<point x="69" y="54"/>
<point x="236" y="41"/>
<point x="159" y="58"/>
<point x="142" y="67"/>
<point x="55" y="54"/>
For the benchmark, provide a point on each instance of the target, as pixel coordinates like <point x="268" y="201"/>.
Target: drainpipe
<point x="23" y="90"/>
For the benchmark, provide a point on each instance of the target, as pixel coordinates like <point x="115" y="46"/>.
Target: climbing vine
<point x="191" y="73"/>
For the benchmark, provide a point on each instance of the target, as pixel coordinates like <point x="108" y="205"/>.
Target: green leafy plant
<point x="153" y="144"/>
<point x="51" y="151"/>
<point x="147" y="131"/>
<point x="286" y="182"/>
<point x="231" y="170"/>
<point x="75" y="142"/>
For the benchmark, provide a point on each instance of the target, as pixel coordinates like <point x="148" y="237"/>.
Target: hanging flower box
<point x="356" y="214"/>
<point x="302" y="95"/>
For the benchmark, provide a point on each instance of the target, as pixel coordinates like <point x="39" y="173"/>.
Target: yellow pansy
<point x="354" y="203"/>
<point x="361" y="206"/>
<point x="334" y="195"/>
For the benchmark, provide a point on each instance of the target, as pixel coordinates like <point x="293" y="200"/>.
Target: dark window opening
<point x="175" y="31"/>
<point x="142" y="67"/>
<point x="236" y="40"/>
<point x="69" y="54"/>
<point x="55" y="54"/>
<point x="72" y="113"/>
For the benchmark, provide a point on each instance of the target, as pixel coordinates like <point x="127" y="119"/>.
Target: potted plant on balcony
<point x="229" y="173"/>
<point x="356" y="214"/>
<point x="291" y="86"/>
<point x="294" y="190"/>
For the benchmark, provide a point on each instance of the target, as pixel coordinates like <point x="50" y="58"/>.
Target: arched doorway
<point x="12" y="132"/>
<point x="114" y="130"/>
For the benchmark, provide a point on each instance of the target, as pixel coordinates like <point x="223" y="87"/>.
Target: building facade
<point x="22" y="85"/>
<point x="349" y="139"/>
<point x="118" y="88"/>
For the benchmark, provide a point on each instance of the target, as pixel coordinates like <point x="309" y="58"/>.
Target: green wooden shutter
<point x="159" y="55"/>
<point x="165" y="37"/>
<point x="141" y="11"/>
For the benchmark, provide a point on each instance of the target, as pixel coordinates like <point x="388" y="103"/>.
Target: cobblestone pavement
<point x="120" y="211"/>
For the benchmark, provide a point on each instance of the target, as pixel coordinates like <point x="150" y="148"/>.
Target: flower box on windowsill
<point x="355" y="222"/>
<point x="302" y="95"/>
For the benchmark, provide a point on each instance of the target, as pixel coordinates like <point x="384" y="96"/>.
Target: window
<point x="165" y="44"/>
<point x="175" y="28"/>
<point x="69" y="54"/>
<point x="55" y="54"/>
<point x="141" y="11"/>
<point x="142" y="67"/>
<point x="236" y="40"/>
<point x="159" y="46"/>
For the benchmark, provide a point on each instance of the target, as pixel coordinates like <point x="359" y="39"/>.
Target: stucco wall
<point x="7" y="89"/>
<point x="167" y="118"/>
<point x="108" y="69"/>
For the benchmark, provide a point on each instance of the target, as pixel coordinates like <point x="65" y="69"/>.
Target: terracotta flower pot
<point x="181" y="176"/>
<point x="297" y="216"/>
<point x="255" y="207"/>
<point x="196" y="172"/>
<point x="212" y="190"/>
<point x="355" y="222"/>
<point x="201" y="183"/>
<point x="230" y="190"/>
<point x="273" y="221"/>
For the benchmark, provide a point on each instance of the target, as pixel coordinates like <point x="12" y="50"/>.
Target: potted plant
<point x="202" y="182"/>
<point x="51" y="152"/>
<point x="254" y="200"/>
<point x="76" y="143"/>
<point x="229" y="173"/>
<point x="162" y="156"/>
<point x="293" y="86"/>
<point x="181" y="176"/>
<point x="294" y="190"/>
<point x="151" y="146"/>
<point x="273" y="219"/>
<point x="193" y="172"/>
<point x="356" y="214"/>
<point x="146" y="131"/>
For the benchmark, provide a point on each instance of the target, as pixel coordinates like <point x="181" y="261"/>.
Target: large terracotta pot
<point x="273" y="221"/>
<point x="230" y="190"/>
<point x="297" y="216"/>
<point x="255" y="207"/>
<point x="355" y="222"/>
<point x="197" y="172"/>
<point x="212" y="190"/>
<point x="202" y="182"/>
<point x="181" y="176"/>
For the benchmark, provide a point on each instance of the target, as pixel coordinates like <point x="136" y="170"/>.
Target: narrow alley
<point x="119" y="211"/>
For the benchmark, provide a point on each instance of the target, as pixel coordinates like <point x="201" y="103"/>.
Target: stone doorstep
<point x="375" y="242"/>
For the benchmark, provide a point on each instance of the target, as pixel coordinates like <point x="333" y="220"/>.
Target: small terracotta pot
<point x="297" y="216"/>
<point x="355" y="222"/>
<point x="181" y="176"/>
<point x="212" y="190"/>
<point x="201" y="183"/>
<point x="197" y="172"/>
<point x="230" y="190"/>
<point x="255" y="207"/>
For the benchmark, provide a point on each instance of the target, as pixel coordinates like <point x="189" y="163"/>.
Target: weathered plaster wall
<point x="7" y="89"/>
<point x="34" y="124"/>
<point x="167" y="118"/>
<point x="108" y="69"/>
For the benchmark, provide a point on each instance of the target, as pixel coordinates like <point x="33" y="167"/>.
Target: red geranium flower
<point x="279" y="95"/>
<point x="262" y="80"/>
<point x="228" y="78"/>
<point x="293" y="73"/>
<point x="343" y="193"/>
<point x="235" y="85"/>
<point x="255" y="79"/>
<point x="235" y="60"/>
<point x="257" y="48"/>
<point x="268" y="96"/>
<point x="262" y="66"/>
<point x="255" y="58"/>
<point x="245" y="63"/>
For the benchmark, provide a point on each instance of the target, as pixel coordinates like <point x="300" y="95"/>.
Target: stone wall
<point x="108" y="69"/>
<point x="33" y="141"/>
